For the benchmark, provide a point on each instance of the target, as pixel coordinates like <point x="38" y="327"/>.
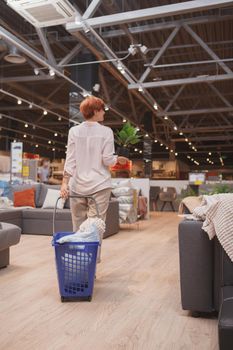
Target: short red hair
<point x="90" y="105"/>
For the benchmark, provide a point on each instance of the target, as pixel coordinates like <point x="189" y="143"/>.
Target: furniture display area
<point x="206" y="278"/>
<point x="40" y="221"/>
<point x="9" y="235"/>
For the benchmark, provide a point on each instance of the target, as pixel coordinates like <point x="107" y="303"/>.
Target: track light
<point x="25" y="136"/>
<point x="26" y="125"/>
<point x="124" y="120"/>
<point x="19" y="102"/>
<point x="119" y="66"/>
<point x="85" y="93"/>
<point x="36" y="71"/>
<point x="96" y="87"/>
<point x="45" y="112"/>
<point x="55" y="134"/>
<point x="144" y="49"/>
<point x="175" y="127"/>
<point x="140" y="89"/>
<point x="49" y="141"/>
<point x="51" y="72"/>
<point x="106" y="108"/>
<point x="30" y="106"/>
<point x="53" y="149"/>
<point x="155" y="106"/>
<point x="132" y="50"/>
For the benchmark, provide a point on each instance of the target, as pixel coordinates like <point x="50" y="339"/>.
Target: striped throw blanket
<point x="217" y="213"/>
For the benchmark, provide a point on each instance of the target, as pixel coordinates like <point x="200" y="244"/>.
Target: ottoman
<point x="9" y="235"/>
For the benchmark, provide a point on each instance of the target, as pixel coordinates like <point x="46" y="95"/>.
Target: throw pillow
<point x="122" y="191"/>
<point x="51" y="199"/>
<point x="25" y="198"/>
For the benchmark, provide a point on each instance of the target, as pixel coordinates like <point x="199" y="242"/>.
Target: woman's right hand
<point x="64" y="193"/>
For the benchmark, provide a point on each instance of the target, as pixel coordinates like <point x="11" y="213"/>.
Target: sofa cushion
<point x="9" y="235"/>
<point x="18" y="188"/>
<point x="24" y="198"/>
<point x="46" y="214"/>
<point x="43" y="191"/>
<point x="10" y="213"/>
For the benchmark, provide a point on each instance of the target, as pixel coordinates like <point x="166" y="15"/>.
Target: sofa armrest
<point x="196" y="267"/>
<point x="112" y="219"/>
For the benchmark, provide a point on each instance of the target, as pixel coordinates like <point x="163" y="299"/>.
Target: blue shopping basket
<point x="76" y="264"/>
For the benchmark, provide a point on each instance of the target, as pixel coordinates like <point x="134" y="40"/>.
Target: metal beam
<point x="104" y="85"/>
<point x="210" y="138"/>
<point x="46" y="46"/>
<point x="33" y="124"/>
<point x="220" y="95"/>
<point x="159" y="54"/>
<point x="164" y="25"/>
<point x="174" y="98"/>
<point x="173" y="82"/>
<point x="197" y="111"/>
<point x="206" y="129"/>
<point x="152" y="13"/>
<point x="70" y="55"/>
<point x="10" y="38"/>
<point x="34" y="78"/>
<point x="207" y="48"/>
<point x="91" y="9"/>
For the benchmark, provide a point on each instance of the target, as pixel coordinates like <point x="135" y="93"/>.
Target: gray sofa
<point x="40" y="221"/>
<point x="206" y="278"/>
<point x="9" y="235"/>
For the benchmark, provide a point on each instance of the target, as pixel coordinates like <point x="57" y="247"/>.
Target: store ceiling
<point x="178" y="53"/>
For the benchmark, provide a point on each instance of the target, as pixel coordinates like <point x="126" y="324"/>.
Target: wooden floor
<point x="136" y="300"/>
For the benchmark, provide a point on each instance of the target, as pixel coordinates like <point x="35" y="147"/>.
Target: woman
<point x="90" y="152"/>
<point x="44" y="171"/>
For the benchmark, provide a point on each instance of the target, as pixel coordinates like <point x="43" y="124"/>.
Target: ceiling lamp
<point x="14" y="56"/>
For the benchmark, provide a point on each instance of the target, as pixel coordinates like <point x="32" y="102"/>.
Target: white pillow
<point x="51" y="198"/>
<point x="125" y="199"/>
<point x="121" y="183"/>
<point x="122" y="191"/>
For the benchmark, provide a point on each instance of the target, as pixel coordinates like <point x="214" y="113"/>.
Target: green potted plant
<point x="125" y="137"/>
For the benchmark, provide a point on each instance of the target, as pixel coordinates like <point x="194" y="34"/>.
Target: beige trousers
<point x="82" y="208"/>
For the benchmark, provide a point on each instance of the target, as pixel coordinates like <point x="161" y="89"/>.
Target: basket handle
<point x="73" y="196"/>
